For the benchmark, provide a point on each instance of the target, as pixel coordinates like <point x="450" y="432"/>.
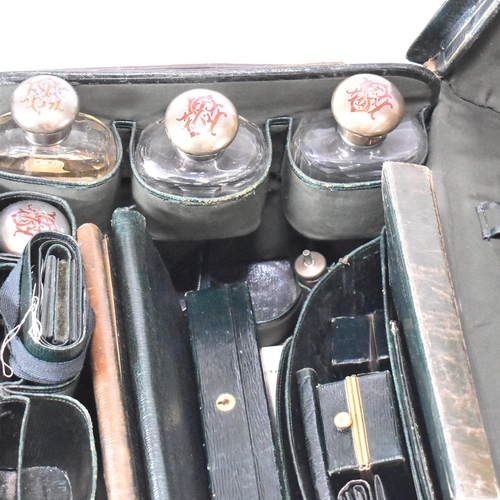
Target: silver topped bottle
<point x="202" y="148"/>
<point x="21" y="220"/>
<point x="46" y="136"/>
<point x="366" y="126"/>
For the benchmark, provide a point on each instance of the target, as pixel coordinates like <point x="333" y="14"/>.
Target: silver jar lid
<point x="21" y="220"/>
<point x="45" y="107"/>
<point x="201" y="123"/>
<point x="367" y="107"/>
<point x="310" y="266"/>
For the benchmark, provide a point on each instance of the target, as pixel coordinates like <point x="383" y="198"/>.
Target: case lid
<point x="451" y="32"/>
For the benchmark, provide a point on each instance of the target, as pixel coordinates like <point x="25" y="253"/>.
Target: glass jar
<point x="202" y="148"/>
<point x="46" y="136"/>
<point x="365" y="127"/>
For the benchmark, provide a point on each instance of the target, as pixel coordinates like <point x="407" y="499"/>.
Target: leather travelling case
<point x="139" y="425"/>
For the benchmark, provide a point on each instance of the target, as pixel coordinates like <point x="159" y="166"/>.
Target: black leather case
<point x="352" y="287"/>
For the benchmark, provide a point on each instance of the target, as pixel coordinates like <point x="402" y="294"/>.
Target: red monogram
<point x="30" y="221"/>
<point x="369" y="97"/>
<point x="202" y="115"/>
<point x="44" y="94"/>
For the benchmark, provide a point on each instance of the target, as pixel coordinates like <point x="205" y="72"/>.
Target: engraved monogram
<point x="202" y="115"/>
<point x="369" y="97"/>
<point x="44" y="94"/>
<point x="30" y="221"/>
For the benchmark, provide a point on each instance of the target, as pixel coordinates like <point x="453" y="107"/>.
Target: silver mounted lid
<point x="310" y="266"/>
<point x="367" y="107"/>
<point x="201" y="123"/>
<point x="45" y="107"/>
<point x="21" y="220"/>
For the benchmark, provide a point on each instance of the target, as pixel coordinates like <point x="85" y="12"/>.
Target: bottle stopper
<point x="45" y="107"/>
<point x="201" y="123"/>
<point x="309" y="267"/>
<point x="21" y="220"/>
<point x="367" y="107"/>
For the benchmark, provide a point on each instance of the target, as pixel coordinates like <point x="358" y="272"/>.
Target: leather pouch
<point x="90" y="200"/>
<point x="47" y="450"/>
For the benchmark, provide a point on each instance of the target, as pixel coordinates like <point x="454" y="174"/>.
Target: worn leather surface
<point x="241" y="457"/>
<point x="163" y="384"/>
<point x="426" y="307"/>
<point x="115" y="431"/>
<point x="452" y="31"/>
<point x="463" y="157"/>
<point x="413" y="425"/>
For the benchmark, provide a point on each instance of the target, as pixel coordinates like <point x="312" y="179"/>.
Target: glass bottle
<point x="365" y="127"/>
<point x="44" y="135"/>
<point x="202" y="148"/>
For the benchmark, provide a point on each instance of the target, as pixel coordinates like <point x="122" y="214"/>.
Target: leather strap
<point x="44" y="297"/>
